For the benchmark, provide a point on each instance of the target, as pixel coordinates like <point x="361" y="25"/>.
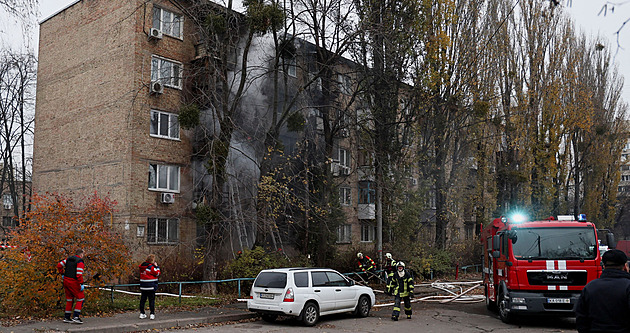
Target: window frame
<point x="156" y="174"/>
<point x="368" y="232"/>
<point x="156" y="73"/>
<point x="169" y="240"/>
<point x="345" y="195"/>
<point x="162" y="23"/>
<point x="344" y="233"/>
<point x="171" y="123"/>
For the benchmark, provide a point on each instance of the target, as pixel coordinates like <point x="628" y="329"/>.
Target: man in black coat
<point x="604" y="305"/>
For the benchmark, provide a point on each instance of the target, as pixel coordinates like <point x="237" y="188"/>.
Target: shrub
<point x="52" y="231"/>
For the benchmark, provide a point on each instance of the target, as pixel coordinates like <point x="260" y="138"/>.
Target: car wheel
<point x="310" y="314"/>
<point x="504" y="313"/>
<point x="270" y="318"/>
<point x="363" y="307"/>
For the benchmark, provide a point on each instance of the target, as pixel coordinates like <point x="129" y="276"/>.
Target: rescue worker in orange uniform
<point x="72" y="269"/>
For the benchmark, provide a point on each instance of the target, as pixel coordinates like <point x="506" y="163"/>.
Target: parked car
<point x="307" y="293"/>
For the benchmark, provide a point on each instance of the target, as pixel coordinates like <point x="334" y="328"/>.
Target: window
<point x="167" y="22"/>
<point x="7" y="201"/>
<point x="345" y="84"/>
<point x="271" y="280"/>
<point x="625" y="178"/>
<point x="319" y="279"/>
<point x="289" y="66"/>
<point x="166" y="71"/>
<point x="344" y="158"/>
<point x="162" y="231"/>
<point x="8" y="221"/>
<point x="164" y="177"/>
<point x="344" y="233"/>
<point x="335" y="279"/>
<point x="301" y="279"/>
<point x="367" y="192"/>
<point x="345" y="196"/>
<point x="368" y="230"/>
<point x="164" y="125"/>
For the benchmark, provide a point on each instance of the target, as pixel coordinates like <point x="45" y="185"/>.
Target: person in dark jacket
<point x="604" y="305"/>
<point x="149" y="272"/>
<point x="72" y="270"/>
<point x="400" y="285"/>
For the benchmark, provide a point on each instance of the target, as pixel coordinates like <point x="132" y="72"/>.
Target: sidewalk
<point x="129" y="322"/>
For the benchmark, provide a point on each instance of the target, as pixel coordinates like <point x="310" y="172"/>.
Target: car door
<point x="323" y="291"/>
<point x="345" y="294"/>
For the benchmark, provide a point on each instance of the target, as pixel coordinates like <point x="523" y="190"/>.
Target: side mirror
<point x="496" y="243"/>
<point x="512" y="236"/>
<point x="350" y="283"/>
<point x="496" y="254"/>
<point x="610" y="240"/>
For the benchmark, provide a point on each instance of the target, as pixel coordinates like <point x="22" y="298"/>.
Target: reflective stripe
<point x="564" y="287"/>
<point x="80" y="300"/>
<point x="550" y="264"/>
<point x="396" y="309"/>
<point x="562" y="264"/>
<point x="68" y="300"/>
<point x="551" y="287"/>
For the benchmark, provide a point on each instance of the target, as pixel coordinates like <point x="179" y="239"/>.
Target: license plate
<point x="266" y="296"/>
<point x="559" y="300"/>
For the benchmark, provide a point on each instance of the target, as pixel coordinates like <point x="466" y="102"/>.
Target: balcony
<point x="366" y="211"/>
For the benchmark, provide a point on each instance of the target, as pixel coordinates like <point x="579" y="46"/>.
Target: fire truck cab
<point x="539" y="267"/>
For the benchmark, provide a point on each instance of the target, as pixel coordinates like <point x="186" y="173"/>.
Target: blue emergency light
<point x="582" y="217"/>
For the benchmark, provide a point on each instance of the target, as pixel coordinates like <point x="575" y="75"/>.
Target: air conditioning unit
<point x="168" y="198"/>
<point x="345" y="170"/>
<point x="414" y="181"/>
<point x="344" y="133"/>
<point x="8" y="206"/>
<point x="155" y="33"/>
<point x="157" y="87"/>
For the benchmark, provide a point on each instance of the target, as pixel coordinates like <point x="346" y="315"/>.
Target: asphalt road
<point x="428" y="317"/>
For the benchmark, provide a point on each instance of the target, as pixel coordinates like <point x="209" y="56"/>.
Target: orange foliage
<point x="50" y="232"/>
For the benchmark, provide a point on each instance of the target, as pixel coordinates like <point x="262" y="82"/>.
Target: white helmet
<point x="388" y="255"/>
<point x="359" y="255"/>
<point x="400" y="264"/>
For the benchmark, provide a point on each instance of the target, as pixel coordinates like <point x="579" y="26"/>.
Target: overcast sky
<point x="588" y="15"/>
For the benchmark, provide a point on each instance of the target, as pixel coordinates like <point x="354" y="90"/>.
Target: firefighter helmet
<point x="400" y="264"/>
<point x="388" y="255"/>
<point x="359" y="255"/>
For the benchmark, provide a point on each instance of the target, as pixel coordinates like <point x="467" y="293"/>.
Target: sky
<point x="588" y="14"/>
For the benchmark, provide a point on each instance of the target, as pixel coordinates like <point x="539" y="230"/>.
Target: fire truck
<point x="539" y="267"/>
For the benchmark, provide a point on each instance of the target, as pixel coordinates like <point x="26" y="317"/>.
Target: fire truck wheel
<point x="505" y="315"/>
<point x="491" y="305"/>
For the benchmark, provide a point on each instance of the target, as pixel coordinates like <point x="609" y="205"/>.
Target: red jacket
<point x="149" y="276"/>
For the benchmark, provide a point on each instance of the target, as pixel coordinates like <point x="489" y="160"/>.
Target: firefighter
<point x="366" y="263"/>
<point x="400" y="285"/>
<point x="72" y="270"/>
<point x="390" y="263"/>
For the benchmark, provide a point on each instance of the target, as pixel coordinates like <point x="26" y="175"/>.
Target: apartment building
<point x="108" y="93"/>
<point x="112" y="78"/>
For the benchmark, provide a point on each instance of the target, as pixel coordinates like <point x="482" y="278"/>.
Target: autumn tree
<point x="52" y="231"/>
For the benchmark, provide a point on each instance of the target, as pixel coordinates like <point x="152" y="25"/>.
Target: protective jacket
<point x="149" y="276"/>
<point x="390" y="265"/>
<point x="605" y="304"/>
<point x="366" y="263"/>
<point x="72" y="269"/>
<point x="400" y="285"/>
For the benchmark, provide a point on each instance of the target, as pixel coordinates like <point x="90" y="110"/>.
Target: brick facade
<point x="93" y="114"/>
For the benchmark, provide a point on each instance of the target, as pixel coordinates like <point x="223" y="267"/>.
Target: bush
<point x="249" y="263"/>
<point x="52" y="231"/>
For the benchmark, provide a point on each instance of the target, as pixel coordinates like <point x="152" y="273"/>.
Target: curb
<point x="162" y="324"/>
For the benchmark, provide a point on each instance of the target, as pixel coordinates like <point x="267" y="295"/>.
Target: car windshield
<point x="271" y="280"/>
<point x="554" y="243"/>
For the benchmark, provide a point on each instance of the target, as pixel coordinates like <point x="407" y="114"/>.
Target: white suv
<point x="307" y="293"/>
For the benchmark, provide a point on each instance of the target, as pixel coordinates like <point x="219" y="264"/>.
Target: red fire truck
<point x="539" y="267"/>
